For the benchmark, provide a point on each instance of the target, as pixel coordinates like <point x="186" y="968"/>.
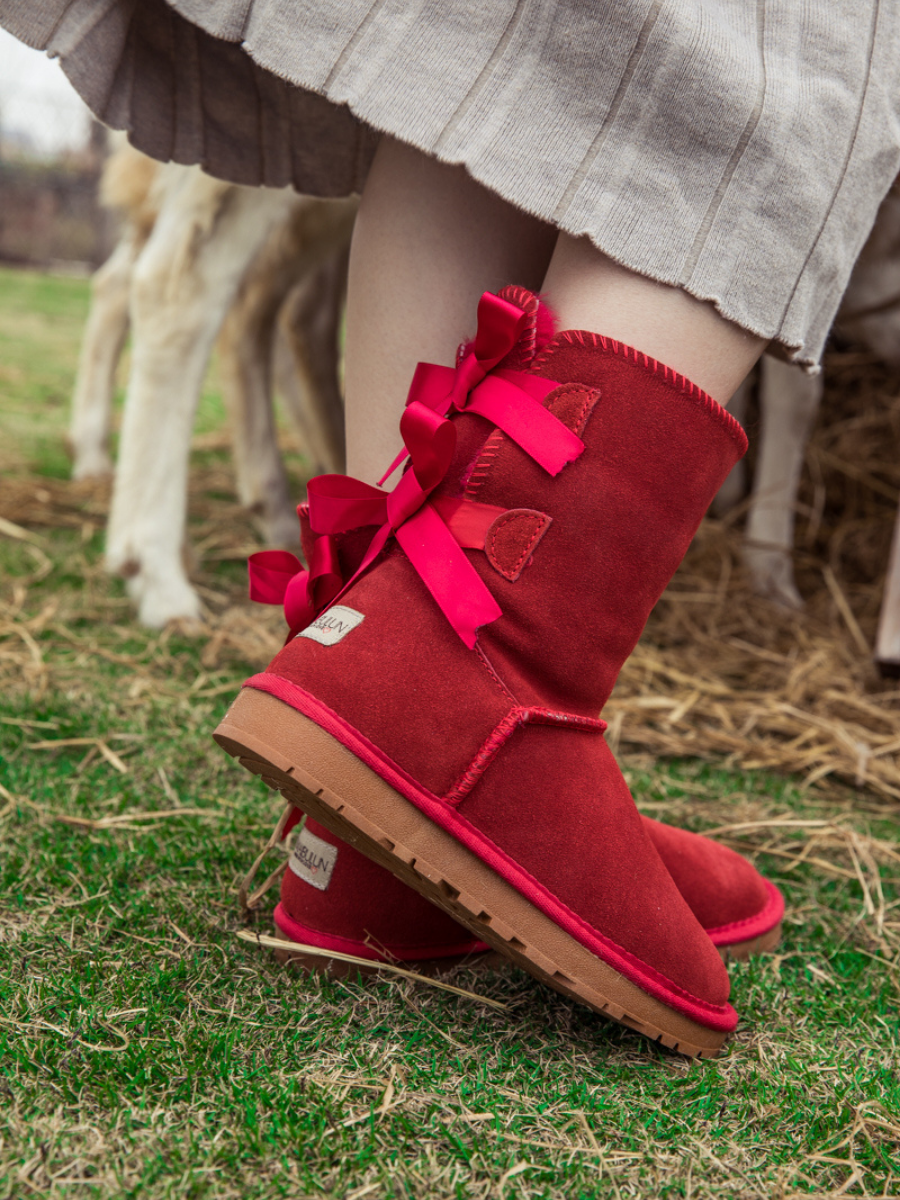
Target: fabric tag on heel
<point x="332" y="625"/>
<point x="312" y="859"/>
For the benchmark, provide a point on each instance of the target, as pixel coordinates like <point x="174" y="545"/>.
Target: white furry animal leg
<point x="309" y="247"/>
<point x="789" y="401"/>
<point x="733" y="490"/>
<point x="870" y="309"/>
<point x="246" y="352"/>
<point x="206" y="235"/>
<point x="101" y="348"/>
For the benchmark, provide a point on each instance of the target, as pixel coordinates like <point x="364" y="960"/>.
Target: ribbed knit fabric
<point x="736" y="148"/>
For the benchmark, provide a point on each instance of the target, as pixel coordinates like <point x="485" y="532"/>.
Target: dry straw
<point x="722" y="673"/>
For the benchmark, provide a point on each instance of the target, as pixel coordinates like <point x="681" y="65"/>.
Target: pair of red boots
<point x="438" y="711"/>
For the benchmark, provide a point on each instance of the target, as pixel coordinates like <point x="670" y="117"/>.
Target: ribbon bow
<point x="511" y="400"/>
<point x="279" y="577"/>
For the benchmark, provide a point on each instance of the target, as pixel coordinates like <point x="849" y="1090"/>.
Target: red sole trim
<point x="297" y="932"/>
<point x="751" y="927"/>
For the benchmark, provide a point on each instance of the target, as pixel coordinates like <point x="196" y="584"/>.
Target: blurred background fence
<point x="51" y="151"/>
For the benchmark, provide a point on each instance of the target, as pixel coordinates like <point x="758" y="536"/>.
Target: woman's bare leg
<point x="428" y="241"/>
<point x="589" y="291"/>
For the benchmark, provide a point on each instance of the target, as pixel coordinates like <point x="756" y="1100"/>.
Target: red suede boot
<point x="334" y="898"/>
<point x="453" y="736"/>
<point x="369" y="913"/>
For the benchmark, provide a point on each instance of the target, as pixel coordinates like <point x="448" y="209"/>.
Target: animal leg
<point x="101" y="348"/>
<point x="246" y="356"/>
<point x="310" y="323"/>
<point x="789" y="401"/>
<point x="206" y="235"/>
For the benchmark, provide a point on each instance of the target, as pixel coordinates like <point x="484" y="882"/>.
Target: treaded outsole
<point x="271" y="739"/>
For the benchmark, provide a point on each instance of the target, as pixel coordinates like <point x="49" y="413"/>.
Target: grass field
<point x="146" y="1051"/>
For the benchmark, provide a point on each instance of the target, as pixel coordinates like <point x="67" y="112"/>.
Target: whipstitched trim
<point x="591" y="396"/>
<point x="483" y="463"/>
<point x="529" y="304"/>
<point x="596" y="341"/>
<point x="515" y="719"/>
<point x="473" y="772"/>
<point x="540" y="524"/>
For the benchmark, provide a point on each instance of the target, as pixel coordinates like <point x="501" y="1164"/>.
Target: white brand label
<point x="335" y="623"/>
<point x="313" y="859"/>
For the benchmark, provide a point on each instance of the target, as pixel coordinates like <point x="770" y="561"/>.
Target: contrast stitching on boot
<point x="528" y="343"/>
<point x="680" y="382"/>
<point x="515" y="719"/>
<point x="529" y="304"/>
<point x="485" y="461"/>
<point x="554" y="716"/>
<point x="494" y="443"/>
<point x="486" y="663"/>
<point x="476" y="768"/>
<point x="591" y="396"/>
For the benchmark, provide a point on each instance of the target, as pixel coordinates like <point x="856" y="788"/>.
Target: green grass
<point x="146" y="1051"/>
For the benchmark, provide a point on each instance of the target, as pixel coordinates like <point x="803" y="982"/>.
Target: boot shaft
<point x="620" y="518"/>
<point x="575" y="561"/>
<point x="578" y="560"/>
<point x="581" y="558"/>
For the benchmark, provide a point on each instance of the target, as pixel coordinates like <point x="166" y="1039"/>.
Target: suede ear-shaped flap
<point x="573" y="404"/>
<point x="510" y="541"/>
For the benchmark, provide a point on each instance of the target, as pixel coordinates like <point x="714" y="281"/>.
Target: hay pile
<point x="720" y="672"/>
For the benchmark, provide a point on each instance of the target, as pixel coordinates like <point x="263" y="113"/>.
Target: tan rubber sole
<point x="743" y="951"/>
<point x="313" y="770"/>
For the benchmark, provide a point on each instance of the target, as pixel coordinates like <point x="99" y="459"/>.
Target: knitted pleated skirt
<point x="736" y="148"/>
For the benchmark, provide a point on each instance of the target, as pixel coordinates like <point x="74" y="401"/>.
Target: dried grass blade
<point x="11" y="530"/>
<point x="273" y="943"/>
<point x="845" y="610"/>
<point x="127" y="818"/>
<point x="111" y="757"/>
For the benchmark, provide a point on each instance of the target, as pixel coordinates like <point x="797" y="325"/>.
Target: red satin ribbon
<point x="500" y="325"/>
<point x="279" y="577"/>
<point x="508" y="399"/>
